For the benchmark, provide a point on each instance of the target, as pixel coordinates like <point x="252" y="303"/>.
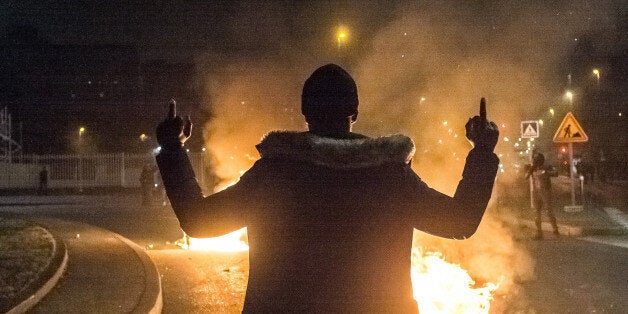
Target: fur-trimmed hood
<point x="356" y="152"/>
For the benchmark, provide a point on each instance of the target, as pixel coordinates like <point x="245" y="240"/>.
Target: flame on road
<point x="438" y="286"/>
<point x="442" y="287"/>
<point x="230" y="242"/>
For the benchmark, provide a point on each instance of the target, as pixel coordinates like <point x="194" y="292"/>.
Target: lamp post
<point x="341" y="36"/>
<point x="569" y="95"/>
<point x="81" y="132"/>
<point x="79" y="169"/>
<point x="596" y="73"/>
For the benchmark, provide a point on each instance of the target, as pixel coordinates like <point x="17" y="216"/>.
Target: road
<point x="571" y="275"/>
<point x="578" y="276"/>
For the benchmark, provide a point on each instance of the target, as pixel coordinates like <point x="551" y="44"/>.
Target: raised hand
<point x="173" y="131"/>
<point x="480" y="131"/>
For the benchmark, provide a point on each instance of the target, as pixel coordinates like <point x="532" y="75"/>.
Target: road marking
<point x="617" y="216"/>
<point x="608" y="240"/>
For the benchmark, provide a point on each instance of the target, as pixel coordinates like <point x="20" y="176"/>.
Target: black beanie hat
<point x="329" y="92"/>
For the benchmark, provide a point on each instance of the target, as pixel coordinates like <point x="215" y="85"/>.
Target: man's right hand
<point x="483" y="133"/>
<point x="173" y="132"/>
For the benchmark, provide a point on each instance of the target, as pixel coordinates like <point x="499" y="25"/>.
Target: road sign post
<point x="530" y="129"/>
<point x="571" y="132"/>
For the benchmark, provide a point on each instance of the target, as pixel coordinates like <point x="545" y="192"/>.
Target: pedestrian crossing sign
<point x="530" y="129"/>
<point x="570" y="131"/>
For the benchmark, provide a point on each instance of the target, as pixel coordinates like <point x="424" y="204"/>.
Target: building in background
<point x="86" y="98"/>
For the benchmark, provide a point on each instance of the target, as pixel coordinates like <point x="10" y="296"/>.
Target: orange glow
<point x="231" y="242"/>
<point x="342" y="34"/>
<point x="439" y="286"/>
<point x="442" y="287"/>
<point x="235" y="241"/>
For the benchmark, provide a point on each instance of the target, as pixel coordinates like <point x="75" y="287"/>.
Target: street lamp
<point x="341" y="36"/>
<point x="596" y="73"/>
<point x="569" y="95"/>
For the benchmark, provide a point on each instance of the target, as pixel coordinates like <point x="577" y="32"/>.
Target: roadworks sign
<point x="530" y="129"/>
<point x="570" y="131"/>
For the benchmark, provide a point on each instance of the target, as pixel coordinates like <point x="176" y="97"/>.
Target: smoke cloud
<point x="422" y="74"/>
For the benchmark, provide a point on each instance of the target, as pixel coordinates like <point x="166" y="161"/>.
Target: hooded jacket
<point x="330" y="221"/>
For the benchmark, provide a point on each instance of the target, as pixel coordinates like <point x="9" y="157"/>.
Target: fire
<point x="235" y="241"/>
<point x="442" y="287"/>
<point x="438" y="286"/>
<point x="231" y="242"/>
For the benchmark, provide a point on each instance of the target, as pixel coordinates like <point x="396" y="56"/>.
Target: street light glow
<point x="569" y="95"/>
<point x="81" y="130"/>
<point x="342" y="35"/>
<point x="596" y="72"/>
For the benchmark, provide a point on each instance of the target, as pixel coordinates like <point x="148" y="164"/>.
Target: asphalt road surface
<point x="577" y="276"/>
<point x="571" y="275"/>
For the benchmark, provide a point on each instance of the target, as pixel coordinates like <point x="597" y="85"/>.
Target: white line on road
<point x="617" y="216"/>
<point x="621" y="241"/>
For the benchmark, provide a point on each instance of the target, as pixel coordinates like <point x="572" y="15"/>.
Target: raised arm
<point x="198" y="216"/>
<point x="459" y="216"/>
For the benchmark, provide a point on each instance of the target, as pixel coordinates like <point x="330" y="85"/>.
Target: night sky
<point x="567" y="37"/>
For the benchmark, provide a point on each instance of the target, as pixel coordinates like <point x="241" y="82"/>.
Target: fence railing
<point x="83" y="171"/>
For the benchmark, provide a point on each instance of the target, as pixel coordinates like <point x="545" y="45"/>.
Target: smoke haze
<point x="422" y="74"/>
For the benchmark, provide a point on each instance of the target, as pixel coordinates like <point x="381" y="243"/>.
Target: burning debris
<point x="443" y="287"/>
<point x="232" y="242"/>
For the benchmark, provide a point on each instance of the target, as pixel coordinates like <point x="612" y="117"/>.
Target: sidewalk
<point x="604" y="212"/>
<point x="106" y="273"/>
<point x="590" y="221"/>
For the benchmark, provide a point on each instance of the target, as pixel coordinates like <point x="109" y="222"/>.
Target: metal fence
<point x="84" y="171"/>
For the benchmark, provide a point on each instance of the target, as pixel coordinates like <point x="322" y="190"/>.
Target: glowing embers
<point x="231" y="242"/>
<point x="442" y="287"/>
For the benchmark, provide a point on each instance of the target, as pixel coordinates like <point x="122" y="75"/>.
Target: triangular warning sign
<point x="530" y="129"/>
<point x="530" y="132"/>
<point x="570" y="131"/>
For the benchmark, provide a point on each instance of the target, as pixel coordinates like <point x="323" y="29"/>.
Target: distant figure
<point x="161" y="190"/>
<point x="586" y="169"/>
<point x="43" y="180"/>
<point x="602" y="167"/>
<point x="542" y="196"/>
<point x="147" y="183"/>
<point x="330" y="213"/>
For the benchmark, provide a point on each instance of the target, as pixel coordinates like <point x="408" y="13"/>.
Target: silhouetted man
<point x="43" y="180"/>
<point x="147" y="183"/>
<point x="330" y="213"/>
<point x="541" y="179"/>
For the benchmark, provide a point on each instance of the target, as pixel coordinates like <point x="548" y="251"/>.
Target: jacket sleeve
<point x="459" y="216"/>
<point x="200" y="216"/>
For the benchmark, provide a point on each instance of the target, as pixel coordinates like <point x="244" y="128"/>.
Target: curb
<point x="152" y="297"/>
<point x="564" y="229"/>
<point x="49" y="278"/>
